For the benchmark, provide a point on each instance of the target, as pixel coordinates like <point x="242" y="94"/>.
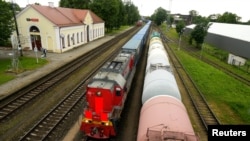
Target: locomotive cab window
<point x="118" y="91"/>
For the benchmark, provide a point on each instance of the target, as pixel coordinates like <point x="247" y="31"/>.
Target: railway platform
<point x="55" y="61"/>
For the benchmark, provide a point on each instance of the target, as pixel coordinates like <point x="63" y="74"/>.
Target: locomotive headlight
<point x="105" y="123"/>
<point x="87" y="121"/>
<point x="98" y="93"/>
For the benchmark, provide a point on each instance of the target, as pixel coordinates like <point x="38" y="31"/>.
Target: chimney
<point x="51" y="4"/>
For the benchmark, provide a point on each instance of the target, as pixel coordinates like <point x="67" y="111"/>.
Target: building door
<point x="35" y="38"/>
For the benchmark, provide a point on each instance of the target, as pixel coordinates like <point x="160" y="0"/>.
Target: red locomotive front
<point x="106" y="94"/>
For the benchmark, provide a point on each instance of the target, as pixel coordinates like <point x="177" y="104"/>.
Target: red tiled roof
<point x="65" y="16"/>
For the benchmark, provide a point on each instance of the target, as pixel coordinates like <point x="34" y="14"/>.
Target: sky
<point x="204" y="7"/>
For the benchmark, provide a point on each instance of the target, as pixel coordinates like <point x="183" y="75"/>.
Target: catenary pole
<point x="17" y="32"/>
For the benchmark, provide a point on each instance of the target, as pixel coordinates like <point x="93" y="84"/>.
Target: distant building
<point x="179" y="17"/>
<point x="57" y="29"/>
<point x="233" y="38"/>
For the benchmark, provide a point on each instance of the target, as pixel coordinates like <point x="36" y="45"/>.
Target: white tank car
<point x="158" y="56"/>
<point x="154" y="40"/>
<point x="159" y="79"/>
<point x="159" y="82"/>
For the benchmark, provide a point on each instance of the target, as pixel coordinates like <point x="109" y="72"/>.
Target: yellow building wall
<point x="45" y="27"/>
<point x="73" y="37"/>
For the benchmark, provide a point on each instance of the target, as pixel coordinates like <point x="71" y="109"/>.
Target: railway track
<point x="25" y="97"/>
<point x="206" y="115"/>
<point x="48" y="127"/>
<point x="18" y="100"/>
<point x="195" y="53"/>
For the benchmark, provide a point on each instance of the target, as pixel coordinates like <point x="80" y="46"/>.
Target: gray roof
<point x="234" y="38"/>
<point x="236" y="31"/>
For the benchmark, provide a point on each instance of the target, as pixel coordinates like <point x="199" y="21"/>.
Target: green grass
<point x="229" y="98"/>
<point x="116" y="31"/>
<point x="4" y="66"/>
<point x="7" y="72"/>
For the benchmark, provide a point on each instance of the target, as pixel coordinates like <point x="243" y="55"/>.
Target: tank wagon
<point x="163" y="115"/>
<point x="107" y="91"/>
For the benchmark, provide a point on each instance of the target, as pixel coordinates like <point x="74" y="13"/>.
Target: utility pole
<point x="15" y="60"/>
<point x="169" y="16"/>
<point x="17" y="32"/>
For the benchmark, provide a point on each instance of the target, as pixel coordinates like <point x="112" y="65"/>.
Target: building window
<point x="77" y="36"/>
<point x="73" y="39"/>
<point x="68" y="40"/>
<point x="81" y="37"/>
<point x="63" y="42"/>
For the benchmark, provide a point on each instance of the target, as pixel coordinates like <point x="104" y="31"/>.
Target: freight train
<point x="107" y="91"/>
<point x="163" y="115"/>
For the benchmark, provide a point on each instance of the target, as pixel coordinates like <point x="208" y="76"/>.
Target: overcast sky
<point x="203" y="7"/>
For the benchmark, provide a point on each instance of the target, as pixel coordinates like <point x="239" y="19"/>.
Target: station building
<point x="57" y="29"/>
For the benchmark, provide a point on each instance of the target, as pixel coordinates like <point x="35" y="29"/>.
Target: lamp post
<point x="169" y="17"/>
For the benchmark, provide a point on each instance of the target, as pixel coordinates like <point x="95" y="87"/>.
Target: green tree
<point x="228" y="17"/>
<point x="180" y="27"/>
<point x="6" y="21"/>
<point x="198" y="34"/>
<point x="77" y="4"/>
<point x="121" y="15"/>
<point x="132" y="14"/>
<point x="160" y="15"/>
<point x="107" y="10"/>
<point x="199" y="19"/>
<point x="114" y="12"/>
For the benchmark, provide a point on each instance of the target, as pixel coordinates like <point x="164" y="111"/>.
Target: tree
<point x="77" y="4"/>
<point x="121" y="15"/>
<point x="198" y="34"/>
<point x="228" y="17"/>
<point x="113" y="12"/>
<point x="6" y="22"/>
<point x="108" y="10"/>
<point x="160" y="15"/>
<point x="180" y="27"/>
<point x="199" y="19"/>
<point x="132" y="14"/>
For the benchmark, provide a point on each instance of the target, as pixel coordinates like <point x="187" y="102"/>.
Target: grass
<point x="4" y="66"/>
<point x="228" y="97"/>
<point x="223" y="92"/>
<point x="116" y="31"/>
<point x="7" y="72"/>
